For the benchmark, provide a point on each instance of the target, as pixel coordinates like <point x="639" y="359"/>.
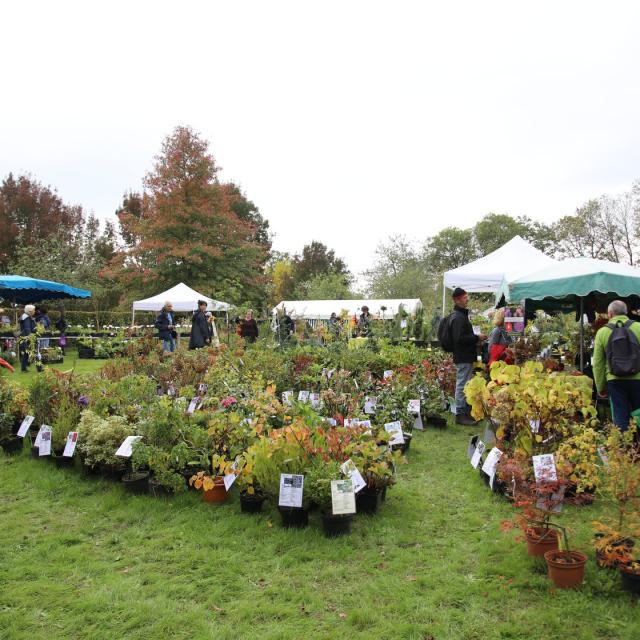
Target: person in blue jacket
<point x="166" y="328"/>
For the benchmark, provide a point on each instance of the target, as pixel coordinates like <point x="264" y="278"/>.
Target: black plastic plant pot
<point x="158" y="491"/>
<point x="334" y="526"/>
<point x="484" y="476"/>
<point x="136" y="483"/>
<point x="86" y="353"/>
<point x="62" y="461"/>
<point x="251" y="504"/>
<point x="407" y="441"/>
<point x="384" y="493"/>
<point x="12" y="445"/>
<point x="294" y="517"/>
<point x="35" y="452"/>
<point x="630" y="581"/>
<point x="369" y="500"/>
<point x="187" y="474"/>
<point x="436" y="421"/>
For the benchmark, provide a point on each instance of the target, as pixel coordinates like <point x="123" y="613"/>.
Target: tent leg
<point x="444" y="294"/>
<point x="581" y="334"/>
<point x="133" y="318"/>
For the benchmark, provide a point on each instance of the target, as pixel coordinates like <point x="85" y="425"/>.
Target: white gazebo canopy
<point x="322" y="309"/>
<point x="182" y="297"/>
<point x="513" y="259"/>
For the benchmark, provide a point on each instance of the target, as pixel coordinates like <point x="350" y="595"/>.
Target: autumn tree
<point x="30" y="212"/>
<point x="190" y="227"/>
<point x="316" y="258"/>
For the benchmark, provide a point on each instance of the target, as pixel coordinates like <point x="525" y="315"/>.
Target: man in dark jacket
<point x="27" y="327"/>
<point x="199" y="328"/>
<point x="166" y="329"/>
<point x="465" y="350"/>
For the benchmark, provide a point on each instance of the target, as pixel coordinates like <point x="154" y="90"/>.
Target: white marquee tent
<point x="513" y="259"/>
<point x="322" y="309"/>
<point x="182" y="297"/>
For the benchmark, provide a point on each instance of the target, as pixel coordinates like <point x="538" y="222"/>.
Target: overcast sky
<point x="345" y="122"/>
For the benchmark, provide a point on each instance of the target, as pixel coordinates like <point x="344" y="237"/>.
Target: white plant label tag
<point x="286" y="398"/>
<point x="394" y="429"/>
<point x="314" y="398"/>
<point x="544" y="468"/>
<point x="193" y="405"/>
<point x="602" y="452"/>
<point x="351" y="471"/>
<point x="414" y="407"/>
<point x="303" y="396"/>
<point x="203" y="388"/>
<point x="370" y="403"/>
<point x="331" y="421"/>
<point x="535" y="425"/>
<point x="477" y="454"/>
<point x="39" y="436"/>
<point x="343" y="497"/>
<point x="125" y="450"/>
<point x="489" y="437"/>
<point x="491" y="463"/>
<point x="230" y="478"/>
<point x="45" y="441"/>
<point x="291" y="487"/>
<point x="24" y="426"/>
<point x="417" y="424"/>
<point x="387" y="374"/>
<point x="70" y="446"/>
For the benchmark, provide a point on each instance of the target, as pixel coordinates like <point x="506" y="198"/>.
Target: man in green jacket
<point x="623" y="391"/>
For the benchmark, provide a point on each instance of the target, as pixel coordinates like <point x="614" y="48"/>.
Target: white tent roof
<point x="514" y="259"/>
<point x="182" y="297"/>
<point x="322" y="309"/>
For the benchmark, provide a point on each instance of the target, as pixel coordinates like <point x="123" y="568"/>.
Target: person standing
<point x="249" y="328"/>
<point x="465" y="350"/>
<point x="27" y="327"/>
<point x="616" y="363"/>
<point x="62" y="325"/>
<point x="213" y="332"/>
<point x="364" y="322"/>
<point x="499" y="339"/>
<point x="199" y="328"/>
<point x="166" y="328"/>
<point x="43" y="319"/>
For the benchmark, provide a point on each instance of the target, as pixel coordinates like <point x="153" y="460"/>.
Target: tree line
<point x="189" y="225"/>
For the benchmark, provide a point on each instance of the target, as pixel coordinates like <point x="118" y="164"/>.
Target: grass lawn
<point x="71" y="361"/>
<point x="79" y="558"/>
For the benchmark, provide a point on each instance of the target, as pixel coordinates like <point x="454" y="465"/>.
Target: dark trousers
<point x="625" y="398"/>
<point x="24" y="357"/>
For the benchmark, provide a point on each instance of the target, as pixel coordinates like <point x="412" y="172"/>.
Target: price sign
<point x="70" y="446"/>
<point x="394" y="429"/>
<point x="291" y="487"/>
<point x="602" y="452"/>
<point x="351" y="471"/>
<point x="45" y="441"/>
<point x="477" y="454"/>
<point x="125" y="449"/>
<point x="343" y="497"/>
<point x="24" y="426"/>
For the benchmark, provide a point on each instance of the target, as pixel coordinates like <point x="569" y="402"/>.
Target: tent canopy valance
<point x="485" y="275"/>
<point x="24" y="290"/>
<point x="182" y="297"/>
<point x="322" y="309"/>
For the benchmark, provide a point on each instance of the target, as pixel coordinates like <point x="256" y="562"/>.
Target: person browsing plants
<point x="616" y="363"/>
<point x="166" y="329"/>
<point x="457" y="337"/>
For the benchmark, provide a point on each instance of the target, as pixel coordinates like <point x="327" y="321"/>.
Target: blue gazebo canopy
<point x="23" y="290"/>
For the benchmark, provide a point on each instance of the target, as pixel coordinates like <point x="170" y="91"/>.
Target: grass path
<point x="71" y="361"/>
<point x="81" y="559"/>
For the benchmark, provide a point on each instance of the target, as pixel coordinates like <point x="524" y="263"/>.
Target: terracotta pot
<point x="217" y="494"/>
<point x="566" y="568"/>
<point x="539" y="541"/>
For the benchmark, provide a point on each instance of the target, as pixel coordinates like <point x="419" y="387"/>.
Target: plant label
<point x="355" y="384"/>
<point x="193" y="405"/>
<point x="202" y="388"/>
<point x="291" y="487"/>
<point x="387" y="374"/>
<point x="314" y="398"/>
<point x="472" y="446"/>
<point x="24" y="426"/>
<point x="477" y="454"/>
<point x="45" y="441"/>
<point x="351" y="471"/>
<point x="286" y="398"/>
<point x="452" y="405"/>
<point x="303" y="396"/>
<point x="552" y="503"/>
<point x="171" y="391"/>
<point x="544" y="468"/>
<point x="125" y="449"/>
<point x="491" y="463"/>
<point x="331" y="421"/>
<point x="489" y="437"/>
<point x="370" y="404"/>
<point x="343" y="497"/>
<point x="417" y="424"/>
<point x="394" y="429"/>
<point x="39" y="435"/>
<point x="70" y="446"/>
<point x="229" y="478"/>
<point x="602" y="452"/>
<point x="414" y="407"/>
<point x="535" y="425"/>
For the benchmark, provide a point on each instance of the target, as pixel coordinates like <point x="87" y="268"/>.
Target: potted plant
<point x="565" y="567"/>
<point x="9" y="418"/>
<point x="66" y="420"/>
<point x="136" y="479"/>
<point x="252" y="496"/>
<point x="213" y="489"/>
<point x="318" y="487"/>
<point x="630" y="575"/>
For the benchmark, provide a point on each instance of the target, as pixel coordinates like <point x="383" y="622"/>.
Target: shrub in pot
<point x="212" y="487"/>
<point x="66" y="420"/>
<point x="12" y="406"/>
<point x="565" y="567"/>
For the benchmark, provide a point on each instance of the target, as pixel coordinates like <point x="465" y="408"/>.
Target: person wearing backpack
<point x="456" y="336"/>
<point x="616" y="363"/>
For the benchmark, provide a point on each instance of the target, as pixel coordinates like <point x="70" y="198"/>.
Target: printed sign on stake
<point x="491" y="463"/>
<point x="535" y="425"/>
<point x="286" y="398"/>
<point x="24" y="426"/>
<point x="477" y="454"/>
<point x="544" y="468"/>
<point x="303" y="396"/>
<point x="125" y="450"/>
<point x="45" y="441"/>
<point x="70" y="446"/>
<point x="39" y="435"/>
<point x="471" y="448"/>
<point x="193" y="405"/>
<point x="387" y="374"/>
<point x="394" y="429"/>
<point x="314" y="398"/>
<point x="414" y="407"/>
<point x="343" y="497"/>
<point x="351" y="471"/>
<point x="230" y="478"/>
<point x="291" y="487"/>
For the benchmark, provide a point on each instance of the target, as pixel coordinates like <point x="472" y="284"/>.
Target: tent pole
<point x="133" y="317"/>
<point x="581" y="334"/>
<point x="444" y="289"/>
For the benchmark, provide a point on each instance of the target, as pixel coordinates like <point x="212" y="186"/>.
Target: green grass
<point x="81" y="559"/>
<point x="71" y="361"/>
